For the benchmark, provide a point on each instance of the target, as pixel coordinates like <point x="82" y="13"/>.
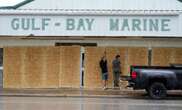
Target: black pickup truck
<point x="156" y="80"/>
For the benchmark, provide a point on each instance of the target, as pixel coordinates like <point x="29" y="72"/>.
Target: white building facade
<point x="102" y="22"/>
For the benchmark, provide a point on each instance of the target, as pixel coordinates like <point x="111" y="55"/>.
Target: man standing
<point x="116" y="65"/>
<point x="104" y="71"/>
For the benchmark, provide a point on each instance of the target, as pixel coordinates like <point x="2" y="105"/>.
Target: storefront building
<point x="58" y="43"/>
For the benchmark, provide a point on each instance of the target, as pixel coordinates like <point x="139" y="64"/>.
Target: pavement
<point x="85" y="99"/>
<point x="80" y="92"/>
<point x="70" y="92"/>
<point x="79" y="103"/>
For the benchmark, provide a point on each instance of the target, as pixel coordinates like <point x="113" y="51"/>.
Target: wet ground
<point x="68" y="103"/>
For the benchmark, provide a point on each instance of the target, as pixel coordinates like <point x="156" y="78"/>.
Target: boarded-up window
<point x="41" y="67"/>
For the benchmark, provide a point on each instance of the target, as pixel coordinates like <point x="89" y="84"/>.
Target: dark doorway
<point x="82" y="69"/>
<point x="149" y="56"/>
<point x="72" y="44"/>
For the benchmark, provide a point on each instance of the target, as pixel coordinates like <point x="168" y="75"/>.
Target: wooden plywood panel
<point x="166" y="56"/>
<point x="51" y="67"/>
<point x="70" y="67"/>
<point x="138" y="56"/>
<point x="34" y="67"/>
<point x="92" y="76"/>
<point x="161" y="56"/>
<point x="42" y="67"/>
<point x="133" y="56"/>
<point x="177" y="56"/>
<point x="12" y="61"/>
<point x="46" y="62"/>
<point x="124" y="60"/>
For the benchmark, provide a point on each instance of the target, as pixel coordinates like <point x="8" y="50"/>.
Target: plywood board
<point x="34" y="67"/>
<point x="177" y="56"/>
<point x="124" y="60"/>
<point x="92" y="74"/>
<point x="136" y="56"/>
<point x="12" y="61"/>
<point x="51" y="67"/>
<point x="70" y="67"/>
<point x="42" y="67"/>
<point x="166" y="56"/>
<point x="31" y="67"/>
<point x="161" y="56"/>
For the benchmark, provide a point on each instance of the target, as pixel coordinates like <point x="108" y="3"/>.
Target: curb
<point x="77" y="93"/>
<point x="65" y="95"/>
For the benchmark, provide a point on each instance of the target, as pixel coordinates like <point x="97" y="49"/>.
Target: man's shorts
<point x="104" y="76"/>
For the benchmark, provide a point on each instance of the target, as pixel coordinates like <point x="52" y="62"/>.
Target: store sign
<point x="90" y="25"/>
<point x="87" y="24"/>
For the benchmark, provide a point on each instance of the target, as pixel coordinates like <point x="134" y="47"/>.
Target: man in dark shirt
<point x="104" y="71"/>
<point x="116" y="65"/>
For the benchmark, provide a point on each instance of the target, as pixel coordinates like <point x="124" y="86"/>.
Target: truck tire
<point x="157" y="90"/>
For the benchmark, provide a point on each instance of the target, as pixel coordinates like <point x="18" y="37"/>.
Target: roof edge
<point x="91" y="12"/>
<point x="17" y="5"/>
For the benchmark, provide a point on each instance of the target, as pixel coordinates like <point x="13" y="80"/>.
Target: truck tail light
<point x="134" y="75"/>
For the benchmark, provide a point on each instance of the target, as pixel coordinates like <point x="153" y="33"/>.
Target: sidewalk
<point x="70" y="92"/>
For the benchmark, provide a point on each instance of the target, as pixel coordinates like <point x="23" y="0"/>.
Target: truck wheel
<point x="157" y="90"/>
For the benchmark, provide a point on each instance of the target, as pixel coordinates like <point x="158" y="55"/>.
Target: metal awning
<point x="95" y="7"/>
<point x="89" y="12"/>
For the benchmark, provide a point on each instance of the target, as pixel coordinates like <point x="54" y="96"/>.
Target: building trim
<point x="89" y="12"/>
